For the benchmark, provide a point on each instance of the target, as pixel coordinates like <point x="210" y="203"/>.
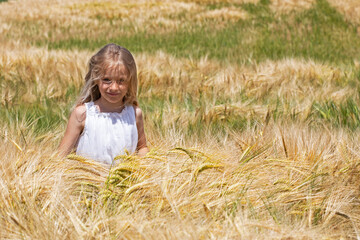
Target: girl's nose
<point x="114" y="86"/>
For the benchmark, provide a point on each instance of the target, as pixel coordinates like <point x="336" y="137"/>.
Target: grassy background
<point x="251" y="113"/>
<point x="319" y="33"/>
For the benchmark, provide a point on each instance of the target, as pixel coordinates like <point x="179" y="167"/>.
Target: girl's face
<point x="114" y="85"/>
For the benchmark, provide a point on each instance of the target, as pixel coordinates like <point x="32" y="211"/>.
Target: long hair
<point x="111" y="55"/>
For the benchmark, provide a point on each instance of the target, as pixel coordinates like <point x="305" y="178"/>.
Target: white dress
<point x="107" y="135"/>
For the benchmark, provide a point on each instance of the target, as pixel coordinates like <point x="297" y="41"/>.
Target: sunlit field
<point x="251" y="111"/>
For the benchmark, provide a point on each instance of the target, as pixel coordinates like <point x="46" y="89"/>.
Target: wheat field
<point x="251" y="111"/>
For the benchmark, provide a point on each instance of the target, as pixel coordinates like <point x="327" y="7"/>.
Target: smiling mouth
<point x="113" y="94"/>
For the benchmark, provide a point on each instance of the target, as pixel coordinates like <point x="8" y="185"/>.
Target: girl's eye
<point x="106" y="80"/>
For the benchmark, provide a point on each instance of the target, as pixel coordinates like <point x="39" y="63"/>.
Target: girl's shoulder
<point x="79" y="113"/>
<point x="138" y="116"/>
<point x="138" y="112"/>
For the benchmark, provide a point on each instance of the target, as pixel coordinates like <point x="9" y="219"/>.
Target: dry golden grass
<point x="32" y="74"/>
<point x="256" y="184"/>
<point x="226" y="14"/>
<point x="289" y="78"/>
<point x="272" y="180"/>
<point x="349" y="8"/>
<point x="296" y="83"/>
<point x="282" y="6"/>
<point x="152" y="16"/>
<point x="79" y="16"/>
<point x="287" y="181"/>
<point x="221" y="1"/>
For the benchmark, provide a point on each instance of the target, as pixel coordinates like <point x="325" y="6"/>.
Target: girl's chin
<point x="113" y="99"/>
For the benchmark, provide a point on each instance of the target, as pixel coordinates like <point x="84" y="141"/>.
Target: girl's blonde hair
<point x="110" y="56"/>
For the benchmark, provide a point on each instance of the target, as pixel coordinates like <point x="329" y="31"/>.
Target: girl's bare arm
<point x="74" y="128"/>
<point x="142" y="148"/>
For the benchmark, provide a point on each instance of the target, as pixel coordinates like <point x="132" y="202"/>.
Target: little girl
<point x="107" y="121"/>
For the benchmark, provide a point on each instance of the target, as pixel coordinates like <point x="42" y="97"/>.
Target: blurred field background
<point x="251" y="113"/>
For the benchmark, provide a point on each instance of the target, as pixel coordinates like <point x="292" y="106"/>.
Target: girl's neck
<point x="105" y="106"/>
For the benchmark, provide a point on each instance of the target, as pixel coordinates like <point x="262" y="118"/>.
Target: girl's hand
<point x="143" y="151"/>
<point x="74" y="128"/>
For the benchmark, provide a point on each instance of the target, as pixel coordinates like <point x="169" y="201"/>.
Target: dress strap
<point x="90" y="107"/>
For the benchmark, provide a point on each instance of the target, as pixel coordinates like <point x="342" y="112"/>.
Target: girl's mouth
<point x="113" y="94"/>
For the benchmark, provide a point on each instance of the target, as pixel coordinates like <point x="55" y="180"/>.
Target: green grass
<point x="46" y="114"/>
<point x="39" y="118"/>
<point x="319" y="33"/>
<point x="343" y="115"/>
